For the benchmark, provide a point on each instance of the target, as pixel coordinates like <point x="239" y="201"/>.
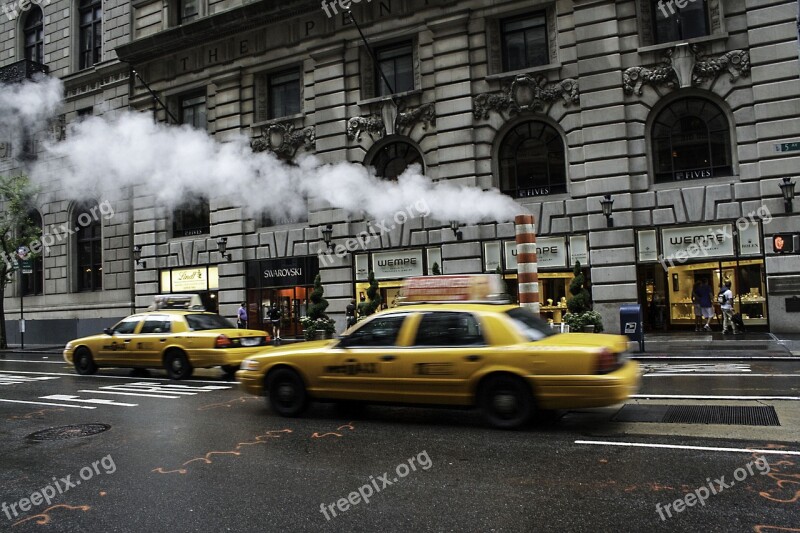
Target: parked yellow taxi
<point x="178" y="340"/>
<point x="499" y="357"/>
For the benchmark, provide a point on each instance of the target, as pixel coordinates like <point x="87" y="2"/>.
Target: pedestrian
<point x="241" y="316"/>
<point x="275" y="320"/>
<point x="726" y="304"/>
<point x="698" y="314"/>
<point x="350" y="314"/>
<point x="704" y="292"/>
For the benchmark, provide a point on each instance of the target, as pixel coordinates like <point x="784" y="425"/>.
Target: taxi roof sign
<point x="463" y="288"/>
<point x="189" y="302"/>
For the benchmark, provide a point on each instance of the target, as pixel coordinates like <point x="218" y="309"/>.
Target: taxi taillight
<point x="606" y="361"/>
<point x="222" y="342"/>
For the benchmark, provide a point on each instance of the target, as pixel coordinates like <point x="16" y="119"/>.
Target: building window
<point x="188" y="10"/>
<point x="691" y="139"/>
<point x="91" y="32"/>
<point x="267" y="221"/>
<point x="672" y="23"/>
<point x="397" y="64"/>
<point x="191" y="218"/>
<point x="532" y="161"/>
<point x="34" y="35"/>
<point x="284" y="93"/>
<point x="391" y="160"/>
<point x="89" y="248"/>
<point x="525" y="42"/>
<point x="193" y="111"/>
<point x="33" y="283"/>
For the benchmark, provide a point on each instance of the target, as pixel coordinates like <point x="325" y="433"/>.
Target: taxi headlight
<point x="249" y="364"/>
<point x="68" y="347"/>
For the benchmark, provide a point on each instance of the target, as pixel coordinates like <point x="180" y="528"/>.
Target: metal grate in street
<point x="699" y="414"/>
<point x="69" y="432"/>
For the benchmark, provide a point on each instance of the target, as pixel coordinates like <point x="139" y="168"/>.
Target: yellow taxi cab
<point x="499" y="357"/>
<point x="177" y="335"/>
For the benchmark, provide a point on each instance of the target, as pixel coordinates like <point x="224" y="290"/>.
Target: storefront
<point x="391" y="268"/>
<point x="556" y="259"/>
<point x="286" y="282"/>
<point x="202" y="280"/>
<point x="672" y="260"/>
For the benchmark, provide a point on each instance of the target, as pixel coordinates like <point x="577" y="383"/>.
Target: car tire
<point x="506" y="401"/>
<point x="287" y="393"/>
<point x="178" y="365"/>
<point x="84" y="362"/>
<point x="230" y="371"/>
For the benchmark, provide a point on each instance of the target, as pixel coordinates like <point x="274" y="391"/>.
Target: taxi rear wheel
<point x="287" y="393"/>
<point x="84" y="362"/>
<point x="506" y="401"/>
<point x="177" y="365"/>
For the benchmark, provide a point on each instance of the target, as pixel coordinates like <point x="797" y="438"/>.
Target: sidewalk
<point x="715" y="345"/>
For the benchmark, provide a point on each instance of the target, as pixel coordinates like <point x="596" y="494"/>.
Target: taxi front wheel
<point x="287" y="393"/>
<point x="84" y="363"/>
<point x="178" y="366"/>
<point x="506" y="401"/>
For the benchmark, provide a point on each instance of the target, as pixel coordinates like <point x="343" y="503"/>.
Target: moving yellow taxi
<point x="177" y="340"/>
<point x="499" y="357"/>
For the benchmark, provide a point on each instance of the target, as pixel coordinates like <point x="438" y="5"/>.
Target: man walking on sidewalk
<point x="703" y="293"/>
<point x="726" y="304"/>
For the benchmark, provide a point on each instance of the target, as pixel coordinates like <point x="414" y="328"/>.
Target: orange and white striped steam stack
<point x="527" y="265"/>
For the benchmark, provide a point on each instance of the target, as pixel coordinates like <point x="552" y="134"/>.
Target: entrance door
<point x="653" y="296"/>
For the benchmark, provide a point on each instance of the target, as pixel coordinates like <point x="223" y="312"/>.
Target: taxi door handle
<point x="387" y="358"/>
<point x="127" y="341"/>
<point x="472" y="358"/>
<point x="163" y="340"/>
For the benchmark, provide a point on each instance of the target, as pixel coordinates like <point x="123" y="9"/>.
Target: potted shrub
<point x="316" y="324"/>
<point x="373" y="301"/>
<point x="579" y="316"/>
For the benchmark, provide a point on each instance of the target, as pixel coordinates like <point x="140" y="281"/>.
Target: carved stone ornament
<point x="677" y="64"/>
<point x="424" y="114"/>
<point x="525" y="93"/>
<point x="372" y="124"/>
<point x="283" y="139"/>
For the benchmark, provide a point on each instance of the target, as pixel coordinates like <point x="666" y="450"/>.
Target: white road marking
<point x="156" y="390"/>
<point x="112" y="377"/>
<point x="130" y="394"/>
<point x="67" y="397"/>
<point x="690" y="368"/>
<point x="62" y="362"/>
<point x="46" y="403"/>
<point x="13" y="379"/>
<point x="663" y="375"/>
<point x="698" y="397"/>
<point x="686" y="447"/>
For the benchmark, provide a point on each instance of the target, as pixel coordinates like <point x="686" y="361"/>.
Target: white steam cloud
<point x="102" y="156"/>
<point x="25" y="109"/>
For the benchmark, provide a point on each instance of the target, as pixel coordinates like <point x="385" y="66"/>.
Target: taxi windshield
<point x="530" y="325"/>
<point x="203" y="321"/>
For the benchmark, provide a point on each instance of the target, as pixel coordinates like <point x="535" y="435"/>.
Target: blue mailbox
<point x="631" y="323"/>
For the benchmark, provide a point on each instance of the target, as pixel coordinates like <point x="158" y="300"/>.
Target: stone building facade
<point x="685" y="118"/>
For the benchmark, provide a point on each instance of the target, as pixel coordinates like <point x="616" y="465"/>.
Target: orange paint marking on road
<point x="29" y="416"/>
<point x="765" y="529"/>
<point x="227" y="404"/>
<point x="349" y="426"/>
<point x="206" y="459"/>
<point x="781" y="477"/>
<point x="44" y="517"/>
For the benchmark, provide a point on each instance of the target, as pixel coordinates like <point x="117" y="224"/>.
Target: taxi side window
<point x="156" y="325"/>
<point x="126" y="327"/>
<point x="449" y="329"/>
<point x="381" y="331"/>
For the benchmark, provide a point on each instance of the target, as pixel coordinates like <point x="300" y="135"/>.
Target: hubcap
<point x="286" y="393"/>
<point x="504" y="403"/>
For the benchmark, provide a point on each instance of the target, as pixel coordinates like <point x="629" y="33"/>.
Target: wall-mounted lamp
<point x="607" y="203"/>
<point x="327" y="234"/>
<point x="454" y="226"/>
<point x="137" y="256"/>
<point x="787" y="188"/>
<point x="222" y="246"/>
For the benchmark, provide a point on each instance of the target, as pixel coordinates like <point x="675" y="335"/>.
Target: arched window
<point x="532" y="161"/>
<point x="691" y="139"/>
<point x="33" y="283"/>
<point x="392" y="159"/>
<point x="89" y="249"/>
<point x="192" y="217"/>
<point x="34" y="35"/>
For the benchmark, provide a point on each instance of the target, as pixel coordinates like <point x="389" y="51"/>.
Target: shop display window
<point x="553" y="294"/>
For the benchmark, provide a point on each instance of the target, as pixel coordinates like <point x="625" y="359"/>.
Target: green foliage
<point x="312" y="325"/>
<point x="579" y="305"/>
<point x="435" y="270"/>
<point x="317" y="302"/>
<point x="373" y="298"/>
<point x="16" y="229"/>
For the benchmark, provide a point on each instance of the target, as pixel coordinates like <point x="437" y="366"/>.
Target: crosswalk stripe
<point x="130" y="394"/>
<point x="48" y="403"/>
<point x="69" y="398"/>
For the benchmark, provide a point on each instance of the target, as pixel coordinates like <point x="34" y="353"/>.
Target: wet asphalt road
<point x="201" y="457"/>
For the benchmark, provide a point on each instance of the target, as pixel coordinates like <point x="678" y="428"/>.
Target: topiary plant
<point x="579" y="306"/>
<point x="373" y="297"/>
<point x="435" y="271"/>
<point x="317" y="302"/>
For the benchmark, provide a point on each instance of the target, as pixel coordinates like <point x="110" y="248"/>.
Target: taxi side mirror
<point x="107" y="331"/>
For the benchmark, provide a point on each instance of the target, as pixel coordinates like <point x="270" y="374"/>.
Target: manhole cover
<point x="69" y="432"/>
<point x="699" y="414"/>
